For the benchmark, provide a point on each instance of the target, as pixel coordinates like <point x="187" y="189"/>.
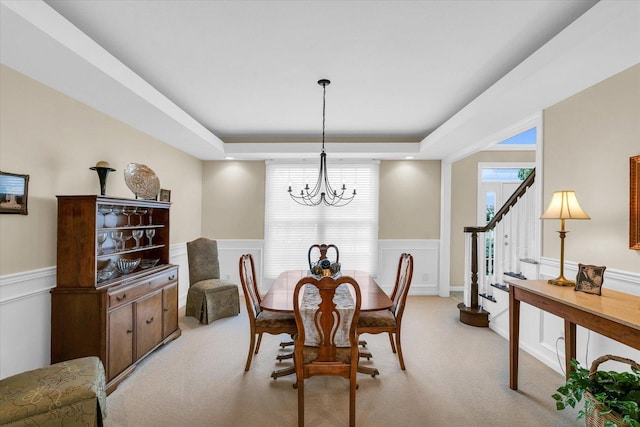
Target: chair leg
<point x="399" y="350"/>
<point x="259" y="341"/>
<point x="250" y="356"/>
<point x="300" y="383"/>
<point x="352" y="401"/>
<point x="393" y="346"/>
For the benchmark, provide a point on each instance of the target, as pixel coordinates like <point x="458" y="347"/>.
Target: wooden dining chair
<point x="261" y="321"/>
<point x="390" y="321"/>
<point x="320" y="348"/>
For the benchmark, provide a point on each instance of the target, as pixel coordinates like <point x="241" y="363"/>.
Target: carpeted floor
<point x="456" y="375"/>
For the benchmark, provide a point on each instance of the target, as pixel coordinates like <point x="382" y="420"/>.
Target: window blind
<point x="290" y="228"/>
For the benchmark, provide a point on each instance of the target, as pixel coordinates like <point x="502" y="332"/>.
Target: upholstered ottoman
<point x="212" y="299"/>
<point x="70" y="393"/>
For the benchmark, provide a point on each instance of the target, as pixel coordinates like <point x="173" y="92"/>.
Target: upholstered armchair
<point x="70" y="393"/>
<point x="209" y="298"/>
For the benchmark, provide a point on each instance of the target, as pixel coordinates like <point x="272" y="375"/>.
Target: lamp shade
<point x="564" y="205"/>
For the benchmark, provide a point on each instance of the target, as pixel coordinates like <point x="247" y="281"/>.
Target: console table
<point x="613" y="314"/>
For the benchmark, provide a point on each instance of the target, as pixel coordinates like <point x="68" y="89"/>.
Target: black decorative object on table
<point x="103" y="169"/>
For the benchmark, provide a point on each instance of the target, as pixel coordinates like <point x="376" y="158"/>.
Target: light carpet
<point x="457" y="375"/>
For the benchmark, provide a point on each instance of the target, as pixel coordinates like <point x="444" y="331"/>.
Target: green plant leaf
<point x="617" y="392"/>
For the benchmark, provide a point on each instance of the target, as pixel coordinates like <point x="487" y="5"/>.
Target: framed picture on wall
<point x="634" y="203"/>
<point x="165" y="195"/>
<point x="14" y="189"/>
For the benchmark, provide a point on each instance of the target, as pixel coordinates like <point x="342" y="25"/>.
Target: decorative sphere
<point x="335" y="267"/>
<point x="316" y="269"/>
<point x="325" y="264"/>
<point x="102" y="164"/>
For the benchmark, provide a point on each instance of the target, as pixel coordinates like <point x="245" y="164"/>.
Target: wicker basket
<point x="593" y="416"/>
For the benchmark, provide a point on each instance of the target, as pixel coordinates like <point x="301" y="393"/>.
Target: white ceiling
<point x="432" y="79"/>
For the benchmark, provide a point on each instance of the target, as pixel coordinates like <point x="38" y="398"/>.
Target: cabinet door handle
<point x="122" y="298"/>
<point x="150" y="321"/>
<point x="129" y="331"/>
<point x="166" y="309"/>
<point x="173" y="276"/>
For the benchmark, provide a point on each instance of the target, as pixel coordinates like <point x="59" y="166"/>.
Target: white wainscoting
<point x="425" y="256"/>
<point x="541" y="333"/>
<point x="25" y="320"/>
<point x="25" y="314"/>
<point x="426" y="261"/>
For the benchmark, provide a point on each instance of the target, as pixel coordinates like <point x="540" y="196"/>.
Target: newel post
<point x="474" y="269"/>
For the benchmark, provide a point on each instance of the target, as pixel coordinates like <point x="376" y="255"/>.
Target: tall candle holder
<point x="103" y="169"/>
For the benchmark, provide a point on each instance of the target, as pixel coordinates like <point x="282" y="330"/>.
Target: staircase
<point x="514" y="223"/>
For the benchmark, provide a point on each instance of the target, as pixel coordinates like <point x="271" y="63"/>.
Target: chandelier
<point x="323" y="192"/>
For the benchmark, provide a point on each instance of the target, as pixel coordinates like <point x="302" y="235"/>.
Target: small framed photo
<point x="14" y="190"/>
<point x="590" y="278"/>
<point x="165" y="195"/>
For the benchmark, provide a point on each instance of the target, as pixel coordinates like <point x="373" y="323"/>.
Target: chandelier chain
<point x="324" y="102"/>
<point x="323" y="192"/>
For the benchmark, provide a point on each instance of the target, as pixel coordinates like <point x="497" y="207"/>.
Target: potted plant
<point x="612" y="399"/>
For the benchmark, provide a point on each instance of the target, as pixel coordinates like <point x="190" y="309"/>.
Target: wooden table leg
<point x="569" y="345"/>
<point x="283" y="372"/>
<point x="514" y="338"/>
<point x="369" y="370"/>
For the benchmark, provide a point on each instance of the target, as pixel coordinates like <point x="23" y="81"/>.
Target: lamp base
<point x="561" y="281"/>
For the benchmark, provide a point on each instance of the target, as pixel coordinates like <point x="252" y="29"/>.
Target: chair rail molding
<point x="25" y="284"/>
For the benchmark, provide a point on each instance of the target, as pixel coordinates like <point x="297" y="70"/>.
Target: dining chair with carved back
<point x="326" y="342"/>
<point x="390" y="321"/>
<point x="261" y="321"/>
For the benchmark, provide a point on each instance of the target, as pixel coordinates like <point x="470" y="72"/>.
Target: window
<point x="290" y="229"/>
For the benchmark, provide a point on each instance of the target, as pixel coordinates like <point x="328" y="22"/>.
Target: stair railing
<point x="474" y="307"/>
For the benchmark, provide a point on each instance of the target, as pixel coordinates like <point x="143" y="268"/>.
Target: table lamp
<point x="564" y="205"/>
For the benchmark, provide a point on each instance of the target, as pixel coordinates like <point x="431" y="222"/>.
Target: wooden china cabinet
<point x="97" y="308"/>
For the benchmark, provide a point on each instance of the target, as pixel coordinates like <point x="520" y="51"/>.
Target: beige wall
<point x="464" y="197"/>
<point x="588" y="139"/>
<point x="233" y="200"/>
<point x="409" y="199"/>
<point x="55" y="139"/>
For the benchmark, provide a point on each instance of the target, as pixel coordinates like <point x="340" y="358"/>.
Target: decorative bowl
<point x="142" y="181"/>
<point x="105" y="273"/>
<point x="126" y="266"/>
<point x="148" y="263"/>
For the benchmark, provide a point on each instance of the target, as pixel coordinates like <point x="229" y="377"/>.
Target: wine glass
<point x="140" y="212"/>
<point x="150" y="216"/>
<point x="150" y="233"/>
<point x="137" y="235"/>
<point x="126" y="238"/>
<point x="104" y="210"/>
<point x="128" y="211"/>
<point x="116" y="210"/>
<point x="117" y="237"/>
<point x="102" y="237"/>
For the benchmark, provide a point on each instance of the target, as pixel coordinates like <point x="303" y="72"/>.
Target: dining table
<point x="279" y="298"/>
